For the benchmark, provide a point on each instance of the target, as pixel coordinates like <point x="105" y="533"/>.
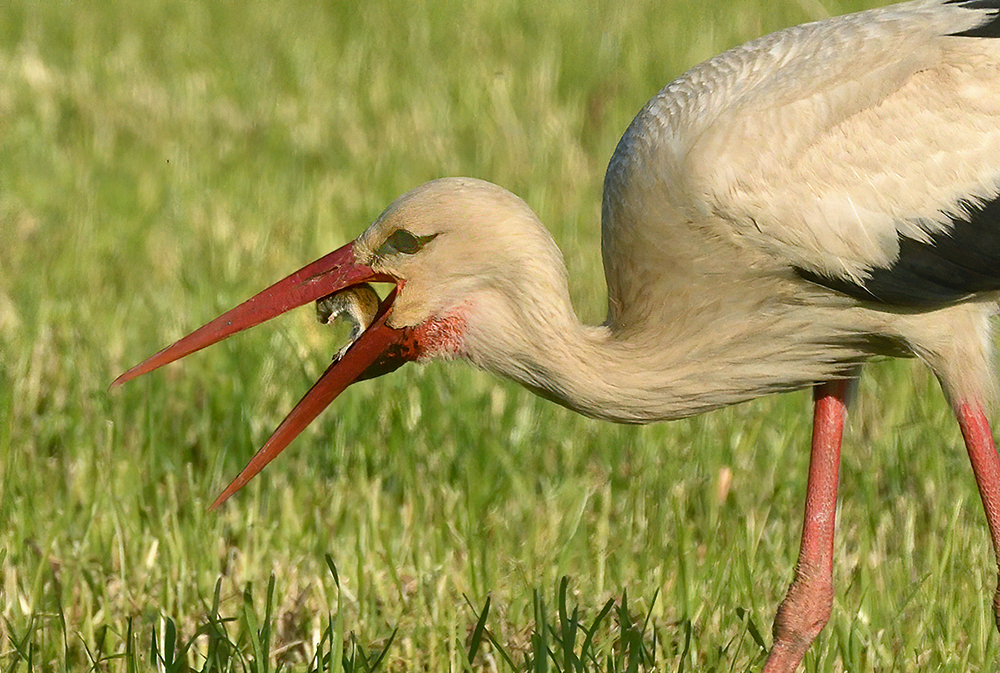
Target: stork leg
<point x="986" y="466"/>
<point x="807" y="605"/>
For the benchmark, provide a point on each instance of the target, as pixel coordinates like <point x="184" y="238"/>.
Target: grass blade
<point x="588" y="642"/>
<point x="567" y="628"/>
<point x="477" y="633"/>
<point x="265" y="635"/>
<point x="385" y="650"/>
<point x="169" y="646"/>
<point x="337" y="627"/>
<point x="539" y="642"/>
<point x="22" y="648"/>
<point x="253" y="631"/>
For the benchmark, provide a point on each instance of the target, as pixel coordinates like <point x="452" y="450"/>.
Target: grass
<point x="159" y="162"/>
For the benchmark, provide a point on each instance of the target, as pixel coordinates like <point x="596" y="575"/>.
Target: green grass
<point x="160" y="162"/>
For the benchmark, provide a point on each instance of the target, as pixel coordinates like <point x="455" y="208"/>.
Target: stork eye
<point x="402" y="241"/>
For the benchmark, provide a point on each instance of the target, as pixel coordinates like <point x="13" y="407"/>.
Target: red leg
<point x="807" y="605"/>
<point x="986" y="466"/>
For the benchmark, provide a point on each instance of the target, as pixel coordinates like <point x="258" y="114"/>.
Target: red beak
<point x="379" y="350"/>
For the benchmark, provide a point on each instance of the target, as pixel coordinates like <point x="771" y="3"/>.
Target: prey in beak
<point x="375" y="348"/>
<point x="357" y="305"/>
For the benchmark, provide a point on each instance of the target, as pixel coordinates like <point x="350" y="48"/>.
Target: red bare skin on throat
<point x="439" y="337"/>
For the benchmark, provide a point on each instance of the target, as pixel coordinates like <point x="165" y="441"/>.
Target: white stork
<point x="771" y="219"/>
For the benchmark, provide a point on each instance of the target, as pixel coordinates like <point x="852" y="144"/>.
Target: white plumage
<point x="821" y="142"/>
<point x="771" y="219"/>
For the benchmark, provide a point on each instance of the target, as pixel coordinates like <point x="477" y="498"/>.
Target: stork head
<point x="453" y="248"/>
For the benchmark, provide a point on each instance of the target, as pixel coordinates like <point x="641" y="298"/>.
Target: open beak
<point x="379" y="350"/>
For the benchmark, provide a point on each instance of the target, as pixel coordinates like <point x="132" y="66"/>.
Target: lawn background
<point x="162" y="161"/>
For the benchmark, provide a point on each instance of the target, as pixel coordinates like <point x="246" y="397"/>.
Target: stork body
<point x="771" y="219"/>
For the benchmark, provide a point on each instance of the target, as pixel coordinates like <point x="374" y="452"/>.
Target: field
<point x="162" y="161"/>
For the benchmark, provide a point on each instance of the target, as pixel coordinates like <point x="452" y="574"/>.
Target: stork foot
<point x="986" y="468"/>
<point x="809" y="601"/>
<point x="801" y="616"/>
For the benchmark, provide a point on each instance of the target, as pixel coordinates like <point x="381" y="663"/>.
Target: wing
<point x="862" y="151"/>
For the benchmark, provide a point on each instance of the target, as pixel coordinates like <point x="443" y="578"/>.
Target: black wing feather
<point x="991" y="28"/>
<point x="952" y="265"/>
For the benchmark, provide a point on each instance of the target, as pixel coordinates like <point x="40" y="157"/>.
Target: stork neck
<point x="598" y="373"/>
<point x="588" y="368"/>
<point x="662" y="373"/>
